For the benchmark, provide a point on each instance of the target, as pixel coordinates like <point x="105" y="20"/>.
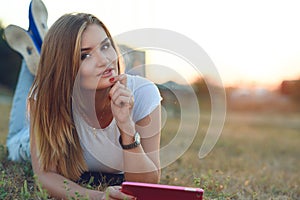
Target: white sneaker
<point x="21" y="41"/>
<point x="38" y="17"/>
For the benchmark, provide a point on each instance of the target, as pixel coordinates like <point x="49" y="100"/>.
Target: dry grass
<point x="256" y="157"/>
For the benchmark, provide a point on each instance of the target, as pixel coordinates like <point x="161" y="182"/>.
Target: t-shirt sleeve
<point x="146" y="99"/>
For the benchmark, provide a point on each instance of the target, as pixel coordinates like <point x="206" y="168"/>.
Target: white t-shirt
<point x="102" y="151"/>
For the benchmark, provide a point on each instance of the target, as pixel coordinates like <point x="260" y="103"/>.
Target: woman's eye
<point x="84" y="56"/>
<point x="105" y="46"/>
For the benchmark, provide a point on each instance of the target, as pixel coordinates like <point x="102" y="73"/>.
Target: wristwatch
<point x="137" y="142"/>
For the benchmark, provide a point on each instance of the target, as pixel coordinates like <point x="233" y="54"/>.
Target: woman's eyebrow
<point x="89" y="48"/>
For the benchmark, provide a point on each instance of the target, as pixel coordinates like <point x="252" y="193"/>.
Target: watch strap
<point x="132" y="145"/>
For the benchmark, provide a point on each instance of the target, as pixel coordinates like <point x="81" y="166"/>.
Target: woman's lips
<point x="107" y="73"/>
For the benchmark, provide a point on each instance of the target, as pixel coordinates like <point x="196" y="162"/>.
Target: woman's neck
<point x="102" y="100"/>
<point x="98" y="112"/>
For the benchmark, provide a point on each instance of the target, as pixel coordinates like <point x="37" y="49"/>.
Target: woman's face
<point x="98" y="59"/>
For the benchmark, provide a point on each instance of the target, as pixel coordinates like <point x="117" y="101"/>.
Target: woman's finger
<point x="121" y="96"/>
<point x="122" y="101"/>
<point x="114" y="192"/>
<point x="119" y="90"/>
<point x="117" y="86"/>
<point x="123" y="79"/>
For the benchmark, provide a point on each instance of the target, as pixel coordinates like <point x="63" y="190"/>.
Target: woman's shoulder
<point x="135" y="82"/>
<point x="146" y="96"/>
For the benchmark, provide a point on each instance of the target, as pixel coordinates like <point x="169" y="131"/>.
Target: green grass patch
<point x="256" y="157"/>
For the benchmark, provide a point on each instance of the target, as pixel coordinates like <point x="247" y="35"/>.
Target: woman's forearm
<point x="141" y="164"/>
<point x="139" y="167"/>
<point x="59" y="187"/>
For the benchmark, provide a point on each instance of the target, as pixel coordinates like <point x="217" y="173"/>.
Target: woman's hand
<point x="114" y="192"/>
<point x="122" y="102"/>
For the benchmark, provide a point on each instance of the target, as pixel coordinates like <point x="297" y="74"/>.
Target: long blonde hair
<point x="57" y="140"/>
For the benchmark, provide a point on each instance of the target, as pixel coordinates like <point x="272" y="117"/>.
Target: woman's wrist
<point x="127" y="129"/>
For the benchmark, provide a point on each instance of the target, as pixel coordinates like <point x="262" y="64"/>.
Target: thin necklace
<point x="91" y="123"/>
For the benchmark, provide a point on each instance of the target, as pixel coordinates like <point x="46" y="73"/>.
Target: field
<point x="256" y="157"/>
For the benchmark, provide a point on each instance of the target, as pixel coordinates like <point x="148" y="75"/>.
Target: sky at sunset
<point x="250" y="42"/>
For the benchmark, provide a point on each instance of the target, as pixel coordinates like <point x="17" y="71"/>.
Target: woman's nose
<point x="102" y="58"/>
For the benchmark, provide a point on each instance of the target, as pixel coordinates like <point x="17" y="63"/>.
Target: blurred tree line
<point x="10" y="62"/>
<point x="291" y="89"/>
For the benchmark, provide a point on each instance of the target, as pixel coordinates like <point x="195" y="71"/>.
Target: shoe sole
<point x="21" y="41"/>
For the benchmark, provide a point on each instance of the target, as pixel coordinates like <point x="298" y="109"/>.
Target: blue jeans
<point x="17" y="141"/>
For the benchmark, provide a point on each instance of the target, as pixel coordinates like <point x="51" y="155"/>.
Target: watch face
<point x="137" y="142"/>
